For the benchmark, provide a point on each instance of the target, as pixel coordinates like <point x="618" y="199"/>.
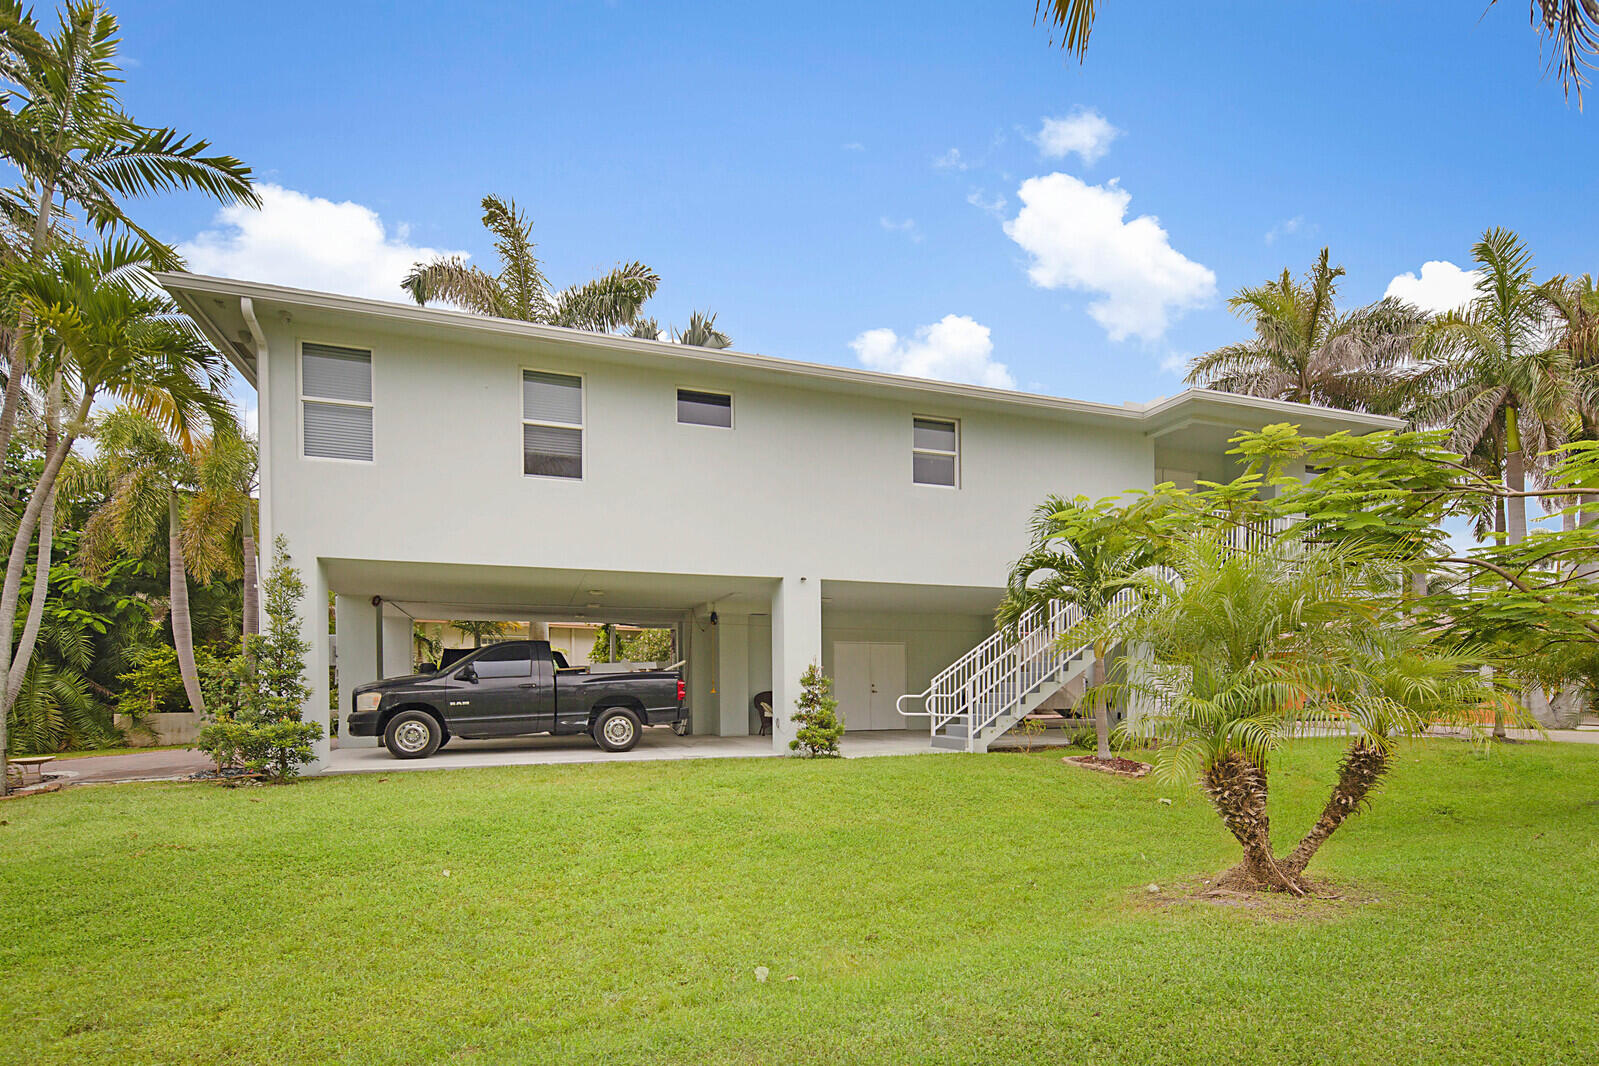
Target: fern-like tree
<point x="1085" y="555"/>
<point x="520" y="290"/>
<point x="1495" y="373"/>
<point x="1306" y="351"/>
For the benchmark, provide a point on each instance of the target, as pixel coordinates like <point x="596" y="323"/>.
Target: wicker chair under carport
<point x="762" y="702"/>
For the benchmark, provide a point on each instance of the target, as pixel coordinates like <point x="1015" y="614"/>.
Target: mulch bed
<point x="1114" y="765"/>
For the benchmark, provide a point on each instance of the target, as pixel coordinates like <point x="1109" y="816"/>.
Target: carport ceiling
<point x="520" y="592"/>
<point x="920" y="599"/>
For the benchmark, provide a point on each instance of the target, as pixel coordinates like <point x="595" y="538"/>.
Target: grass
<point x="931" y="909"/>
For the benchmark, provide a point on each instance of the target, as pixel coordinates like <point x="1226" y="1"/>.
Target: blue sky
<point x="819" y="174"/>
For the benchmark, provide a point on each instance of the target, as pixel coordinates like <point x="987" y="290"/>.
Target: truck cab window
<point x="511" y="659"/>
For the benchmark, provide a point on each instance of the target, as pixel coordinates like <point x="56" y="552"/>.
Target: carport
<point x="877" y="640"/>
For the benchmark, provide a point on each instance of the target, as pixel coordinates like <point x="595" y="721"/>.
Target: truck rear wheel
<point x="413" y="735"/>
<point x="616" y="729"/>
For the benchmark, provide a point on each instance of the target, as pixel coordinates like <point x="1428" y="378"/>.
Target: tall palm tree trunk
<point x="1515" y="480"/>
<point x="22" y="536"/>
<point x="178" y="598"/>
<point x="1101" y="712"/>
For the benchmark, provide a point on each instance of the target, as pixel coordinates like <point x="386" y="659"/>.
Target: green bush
<point x="817" y="716"/>
<point x="257" y="724"/>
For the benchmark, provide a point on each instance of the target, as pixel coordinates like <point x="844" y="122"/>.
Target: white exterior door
<point x="867" y="679"/>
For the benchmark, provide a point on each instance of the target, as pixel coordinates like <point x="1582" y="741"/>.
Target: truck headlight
<point x="368" y="701"/>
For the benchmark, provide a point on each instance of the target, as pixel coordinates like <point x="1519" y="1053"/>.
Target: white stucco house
<point x="432" y="463"/>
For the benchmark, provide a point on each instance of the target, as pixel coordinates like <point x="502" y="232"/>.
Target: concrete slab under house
<point x="433" y="464"/>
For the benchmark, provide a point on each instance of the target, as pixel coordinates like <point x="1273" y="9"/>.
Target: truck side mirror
<point x="467" y="674"/>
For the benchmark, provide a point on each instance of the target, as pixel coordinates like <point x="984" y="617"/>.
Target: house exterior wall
<point x="808" y="481"/>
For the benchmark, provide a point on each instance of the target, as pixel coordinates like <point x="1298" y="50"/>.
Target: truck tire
<point x="413" y="735"/>
<point x="616" y="729"/>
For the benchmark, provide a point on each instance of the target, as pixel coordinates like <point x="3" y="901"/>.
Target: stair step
<point x="949" y="743"/>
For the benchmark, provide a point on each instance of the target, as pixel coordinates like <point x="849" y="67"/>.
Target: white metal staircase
<point x="985" y="692"/>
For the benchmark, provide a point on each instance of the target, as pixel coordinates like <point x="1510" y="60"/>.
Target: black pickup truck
<point x="510" y="689"/>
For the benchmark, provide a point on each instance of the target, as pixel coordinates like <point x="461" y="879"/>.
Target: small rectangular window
<point x="552" y="424"/>
<point x="704" y="408"/>
<point x="935" y="452"/>
<point x="336" y="402"/>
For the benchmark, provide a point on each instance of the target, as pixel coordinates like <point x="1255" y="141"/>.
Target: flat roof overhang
<point x="215" y="304"/>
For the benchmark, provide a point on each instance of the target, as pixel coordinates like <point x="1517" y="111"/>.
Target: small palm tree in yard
<point x="1083" y="554"/>
<point x="1243" y="648"/>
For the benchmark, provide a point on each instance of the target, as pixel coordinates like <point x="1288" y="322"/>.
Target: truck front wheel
<point x="413" y="735"/>
<point x="616" y="729"/>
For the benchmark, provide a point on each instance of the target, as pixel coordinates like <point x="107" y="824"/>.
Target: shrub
<point x="817" y="716"/>
<point x="257" y="726"/>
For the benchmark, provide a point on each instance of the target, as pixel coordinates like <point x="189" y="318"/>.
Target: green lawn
<point x="930" y="909"/>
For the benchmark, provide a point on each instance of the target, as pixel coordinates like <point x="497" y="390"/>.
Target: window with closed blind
<point x="696" y="408"/>
<point x="336" y="402"/>
<point x="935" y="452"/>
<point x="552" y="424"/>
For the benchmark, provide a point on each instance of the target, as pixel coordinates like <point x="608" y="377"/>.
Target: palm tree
<point x="1571" y="25"/>
<point x="1085" y="555"/>
<point x="223" y="509"/>
<point x="106" y="331"/>
<point x="1575" y="304"/>
<point x="152" y="478"/>
<point x="1490" y="372"/>
<point x="702" y="332"/>
<point x="1305" y="351"/>
<point x="479" y="630"/>
<point x="62" y="126"/>
<point x="520" y="290"/>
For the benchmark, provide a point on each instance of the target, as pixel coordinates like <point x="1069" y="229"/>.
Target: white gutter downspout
<point x="263" y="449"/>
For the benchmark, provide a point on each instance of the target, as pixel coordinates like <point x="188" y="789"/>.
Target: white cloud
<point x="854" y="146"/>
<point x="307" y="242"/>
<point x="1084" y="132"/>
<point x="1080" y="239"/>
<point x="1289" y="228"/>
<point x="905" y="226"/>
<point x="951" y="160"/>
<point x="1441" y="287"/>
<point x="979" y="199"/>
<point x="955" y="348"/>
<point x="1176" y="363"/>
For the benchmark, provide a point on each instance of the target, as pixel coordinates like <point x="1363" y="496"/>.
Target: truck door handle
<point x="530" y="684"/>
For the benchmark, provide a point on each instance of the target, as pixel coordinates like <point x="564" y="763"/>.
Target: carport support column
<point x="733" y="676"/>
<point x="355" y="621"/>
<point x="796" y="644"/>
<point x="314" y="630"/>
<point x="397" y="646"/>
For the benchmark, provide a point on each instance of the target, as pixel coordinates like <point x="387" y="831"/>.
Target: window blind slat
<point x="552" y="397"/>
<point x="549" y="451"/>
<point x="934" y="436"/>
<point x="338" y="431"/>
<point x="704" y="408"/>
<point x="330" y="373"/>
<point x="933" y="469"/>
